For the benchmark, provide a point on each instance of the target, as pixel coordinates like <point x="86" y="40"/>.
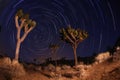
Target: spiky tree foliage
<point x="22" y="22"/>
<point x="73" y="37"/>
<point x="54" y="48"/>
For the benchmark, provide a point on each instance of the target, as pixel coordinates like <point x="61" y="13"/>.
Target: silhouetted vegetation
<point x="87" y="60"/>
<point x="117" y="42"/>
<point x="54" y="48"/>
<point x="113" y="49"/>
<point x="60" y="62"/>
<point x="64" y="61"/>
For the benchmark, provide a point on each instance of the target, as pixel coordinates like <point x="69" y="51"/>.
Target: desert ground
<point x="108" y="69"/>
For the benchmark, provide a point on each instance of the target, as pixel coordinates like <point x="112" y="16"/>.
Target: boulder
<point x="102" y="57"/>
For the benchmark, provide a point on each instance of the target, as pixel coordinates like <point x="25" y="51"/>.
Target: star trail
<point x="95" y="16"/>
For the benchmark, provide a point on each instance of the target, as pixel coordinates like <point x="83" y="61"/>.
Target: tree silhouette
<point x="117" y="42"/>
<point x="54" y="48"/>
<point x="73" y="37"/>
<point x="22" y="21"/>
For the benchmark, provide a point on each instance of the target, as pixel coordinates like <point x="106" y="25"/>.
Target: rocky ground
<point x="107" y="70"/>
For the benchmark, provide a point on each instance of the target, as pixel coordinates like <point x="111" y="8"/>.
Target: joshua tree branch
<point x="18" y="33"/>
<point x="26" y="33"/>
<point x="78" y="41"/>
<point x="30" y="29"/>
<point x="23" y="37"/>
<point x="16" y="22"/>
<point x="69" y="39"/>
<point x="26" y="28"/>
<point x="73" y="37"/>
<point x="22" y="23"/>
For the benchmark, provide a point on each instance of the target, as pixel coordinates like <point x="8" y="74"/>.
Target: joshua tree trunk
<point x="17" y="50"/>
<point x="75" y="54"/>
<point x="17" y="44"/>
<point x="19" y="41"/>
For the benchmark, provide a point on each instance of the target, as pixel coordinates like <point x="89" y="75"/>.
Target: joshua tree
<point x="22" y="22"/>
<point x="54" y="48"/>
<point x="73" y="37"/>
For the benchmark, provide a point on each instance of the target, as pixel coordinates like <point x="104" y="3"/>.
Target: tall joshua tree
<point x="54" y="48"/>
<point x="73" y="37"/>
<point x="22" y="22"/>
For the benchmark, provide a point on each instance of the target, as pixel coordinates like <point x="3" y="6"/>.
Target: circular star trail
<point x="94" y="16"/>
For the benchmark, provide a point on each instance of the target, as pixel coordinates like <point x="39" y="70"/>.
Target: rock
<point x="50" y="67"/>
<point x="5" y="62"/>
<point x="78" y="67"/>
<point x="116" y="56"/>
<point x="102" y="57"/>
<point x="86" y="67"/>
<point x="58" y="69"/>
<point x="68" y="74"/>
<point x="117" y="48"/>
<point x="96" y="63"/>
<point x="64" y="67"/>
<point x="52" y="74"/>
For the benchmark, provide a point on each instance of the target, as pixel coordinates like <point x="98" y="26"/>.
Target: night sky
<point x="100" y="18"/>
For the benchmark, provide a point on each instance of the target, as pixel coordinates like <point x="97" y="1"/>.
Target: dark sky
<point x="100" y="18"/>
